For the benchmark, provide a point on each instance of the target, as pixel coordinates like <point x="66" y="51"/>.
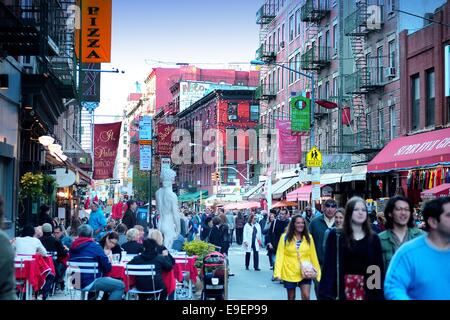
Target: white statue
<point x="167" y="206"/>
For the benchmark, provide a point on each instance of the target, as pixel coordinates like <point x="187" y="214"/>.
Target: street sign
<point x="145" y="163"/>
<point x="315" y="192"/>
<point x="145" y="128"/>
<point x="314" y="158"/>
<point x="114" y="181"/>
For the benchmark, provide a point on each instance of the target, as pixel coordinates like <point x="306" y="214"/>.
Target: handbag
<point x="306" y="267"/>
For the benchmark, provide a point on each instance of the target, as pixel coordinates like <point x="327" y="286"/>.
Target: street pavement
<point x="251" y="284"/>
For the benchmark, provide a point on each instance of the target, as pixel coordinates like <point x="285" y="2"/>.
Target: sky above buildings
<point x="152" y="33"/>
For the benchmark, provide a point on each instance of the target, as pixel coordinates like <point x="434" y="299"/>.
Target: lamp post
<point x="309" y="76"/>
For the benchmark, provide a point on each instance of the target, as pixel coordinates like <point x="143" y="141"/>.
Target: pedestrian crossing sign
<point x="314" y="158"/>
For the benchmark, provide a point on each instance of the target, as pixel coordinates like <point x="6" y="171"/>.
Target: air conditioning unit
<point x="390" y="72"/>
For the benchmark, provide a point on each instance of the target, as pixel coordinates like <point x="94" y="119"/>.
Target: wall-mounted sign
<point x="337" y="163"/>
<point x="64" y="179"/>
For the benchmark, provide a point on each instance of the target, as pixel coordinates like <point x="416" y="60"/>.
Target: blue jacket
<point x="97" y="220"/>
<point x="87" y="250"/>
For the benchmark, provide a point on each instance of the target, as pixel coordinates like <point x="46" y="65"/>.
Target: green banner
<point x="300" y="114"/>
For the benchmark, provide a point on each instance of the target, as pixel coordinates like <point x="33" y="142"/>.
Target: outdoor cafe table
<point x="185" y="264"/>
<point x="35" y="270"/>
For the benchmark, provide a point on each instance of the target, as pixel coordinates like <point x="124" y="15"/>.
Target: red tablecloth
<point x="36" y="270"/>
<point x="118" y="272"/>
<point x="188" y="266"/>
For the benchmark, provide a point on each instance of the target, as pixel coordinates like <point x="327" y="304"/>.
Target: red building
<point x="220" y="110"/>
<point x="418" y="161"/>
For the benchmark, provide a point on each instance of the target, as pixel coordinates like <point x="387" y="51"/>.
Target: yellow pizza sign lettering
<point x="314" y="158"/>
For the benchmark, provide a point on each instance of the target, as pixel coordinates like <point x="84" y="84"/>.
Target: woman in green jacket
<point x="296" y="261"/>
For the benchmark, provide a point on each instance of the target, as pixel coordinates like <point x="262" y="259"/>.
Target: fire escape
<point x="266" y="52"/>
<point x="365" y="80"/>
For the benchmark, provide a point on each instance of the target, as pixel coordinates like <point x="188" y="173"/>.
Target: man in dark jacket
<point x="85" y="249"/>
<point x="129" y="218"/>
<point x="51" y="244"/>
<point x="162" y="262"/>
<point x="44" y="215"/>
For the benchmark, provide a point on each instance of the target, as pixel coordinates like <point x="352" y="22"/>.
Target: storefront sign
<point x="96" y="18"/>
<point x="106" y="141"/>
<point x="64" y="179"/>
<point x="164" y="134"/>
<point x="300" y="114"/>
<point x="229" y="190"/>
<point x="337" y="163"/>
<point x="289" y="146"/>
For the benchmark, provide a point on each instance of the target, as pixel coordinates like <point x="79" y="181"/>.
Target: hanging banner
<point x="164" y="134"/>
<point x="106" y="141"/>
<point x="300" y="114"/>
<point x="90" y="82"/>
<point x="96" y="16"/>
<point x="346" y="117"/>
<point x="289" y="146"/>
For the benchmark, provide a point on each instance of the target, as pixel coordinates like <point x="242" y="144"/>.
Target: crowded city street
<point x="229" y="151"/>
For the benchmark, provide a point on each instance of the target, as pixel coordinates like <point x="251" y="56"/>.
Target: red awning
<point x="440" y="191"/>
<point x="420" y="150"/>
<point x="327" y="104"/>
<point x="301" y="194"/>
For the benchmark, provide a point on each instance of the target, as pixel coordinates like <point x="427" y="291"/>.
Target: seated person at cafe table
<point x="85" y="249"/>
<point x="27" y="244"/>
<point x="160" y="261"/>
<point x="110" y="245"/>
<point x="132" y="246"/>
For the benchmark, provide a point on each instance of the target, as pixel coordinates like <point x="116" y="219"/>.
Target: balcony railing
<point x="316" y="58"/>
<point x="364" y="80"/>
<point x="266" y="52"/>
<point x="364" y="19"/>
<point x="315" y="10"/>
<point x="266" y="13"/>
<point x="266" y="91"/>
<point x="360" y="142"/>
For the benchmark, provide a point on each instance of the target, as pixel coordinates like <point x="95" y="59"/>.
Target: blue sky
<point x="196" y="31"/>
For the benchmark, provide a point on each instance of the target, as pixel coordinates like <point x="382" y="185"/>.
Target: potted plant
<point x="200" y="249"/>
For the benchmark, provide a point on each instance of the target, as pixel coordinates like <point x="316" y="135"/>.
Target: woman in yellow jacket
<point x="296" y="261"/>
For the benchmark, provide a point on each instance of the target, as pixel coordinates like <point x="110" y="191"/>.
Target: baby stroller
<point x="214" y="276"/>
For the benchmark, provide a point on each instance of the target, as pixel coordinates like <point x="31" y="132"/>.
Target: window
<point x="274" y="80"/>
<point x="282" y="32"/>
<point x="335" y="87"/>
<point x="298" y="22"/>
<point x="231" y="174"/>
<point x="232" y="111"/>
<point x="125" y="127"/>
<point x="319" y="44"/>
<point x="393" y="121"/>
<point x="125" y="153"/>
<point x="327" y="89"/>
<point x="282" y="78"/>
<point x="279" y="79"/>
<point x="268" y="49"/>
<point x="291" y="73"/>
<point x="380" y="126"/>
<point x="278" y="39"/>
<point x="125" y="140"/>
<point x="297" y="65"/>
<point x="291" y="28"/>
<point x="254" y="112"/>
<point x="274" y="38"/>
<point x="319" y="91"/>
<point x="335" y="39"/>
<point x="327" y="44"/>
<point x="380" y="64"/>
<point x="415" y="101"/>
<point x="392" y="54"/>
<point x="430" y="102"/>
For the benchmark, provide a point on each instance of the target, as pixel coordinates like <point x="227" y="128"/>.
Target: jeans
<point x="239" y="235"/>
<point x="115" y="288"/>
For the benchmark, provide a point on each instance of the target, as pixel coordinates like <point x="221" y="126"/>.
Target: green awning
<point x="193" y="196"/>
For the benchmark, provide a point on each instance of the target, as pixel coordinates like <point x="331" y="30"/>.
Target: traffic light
<point x="215" y="176"/>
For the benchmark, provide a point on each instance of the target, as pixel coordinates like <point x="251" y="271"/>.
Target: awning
<point x="301" y="194"/>
<point x="242" y="205"/>
<point x="330" y="178"/>
<point x="358" y="174"/>
<point x="440" y="191"/>
<point x="253" y="190"/>
<point x="420" y="150"/>
<point x="193" y="196"/>
<point x="281" y="186"/>
<point x="284" y="203"/>
<point x="327" y="104"/>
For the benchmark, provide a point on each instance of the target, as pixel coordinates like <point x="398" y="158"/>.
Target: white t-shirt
<point x="29" y="246"/>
